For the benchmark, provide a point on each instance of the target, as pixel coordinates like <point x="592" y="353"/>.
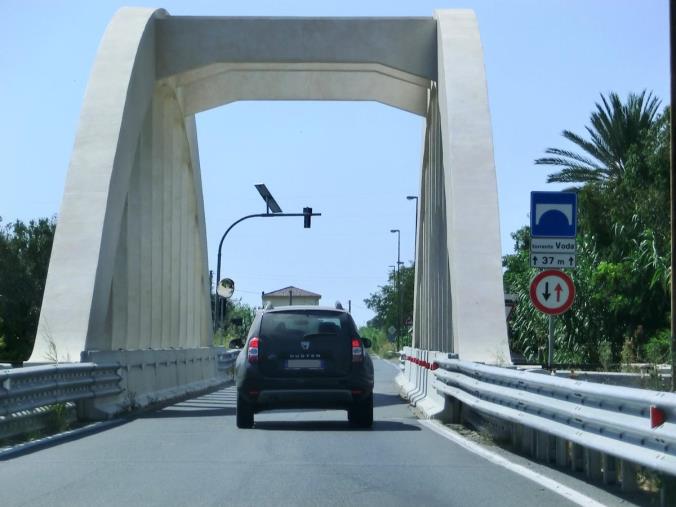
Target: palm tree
<point x="615" y="128"/>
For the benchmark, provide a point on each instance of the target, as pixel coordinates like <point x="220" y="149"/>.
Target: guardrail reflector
<point x="657" y="416"/>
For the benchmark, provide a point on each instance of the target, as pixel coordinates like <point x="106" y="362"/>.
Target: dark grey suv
<point x="304" y="357"/>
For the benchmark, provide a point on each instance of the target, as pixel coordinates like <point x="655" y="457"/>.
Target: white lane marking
<point x="551" y="484"/>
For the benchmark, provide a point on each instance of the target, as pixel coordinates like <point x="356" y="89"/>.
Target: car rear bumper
<point x="305" y="397"/>
<point x="270" y="399"/>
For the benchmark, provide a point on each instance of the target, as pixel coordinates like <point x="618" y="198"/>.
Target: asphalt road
<point x="192" y="454"/>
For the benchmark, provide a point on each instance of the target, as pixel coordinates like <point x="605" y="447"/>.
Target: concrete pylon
<point x="129" y="262"/>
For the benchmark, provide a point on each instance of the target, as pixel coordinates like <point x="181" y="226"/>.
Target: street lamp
<point x="411" y="198"/>
<point x="398" y="283"/>
<point x="270" y="205"/>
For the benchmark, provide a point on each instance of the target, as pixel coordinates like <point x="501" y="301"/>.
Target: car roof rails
<point x="339" y="306"/>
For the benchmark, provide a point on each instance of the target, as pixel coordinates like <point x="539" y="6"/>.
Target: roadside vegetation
<point x="24" y="257"/>
<point x="620" y="171"/>
<point x="237" y="320"/>
<point x="385" y="303"/>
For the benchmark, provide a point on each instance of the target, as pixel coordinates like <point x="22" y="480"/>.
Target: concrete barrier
<point x="150" y="377"/>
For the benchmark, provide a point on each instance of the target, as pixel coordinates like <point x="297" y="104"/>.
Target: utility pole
<point x="415" y="241"/>
<point x="212" y="298"/>
<point x="398" y="287"/>
<point x="672" y="39"/>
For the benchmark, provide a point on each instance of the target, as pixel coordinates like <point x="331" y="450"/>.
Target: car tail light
<point x="357" y="351"/>
<point x="252" y="353"/>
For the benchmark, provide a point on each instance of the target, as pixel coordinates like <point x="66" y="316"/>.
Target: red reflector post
<point x="657" y="416"/>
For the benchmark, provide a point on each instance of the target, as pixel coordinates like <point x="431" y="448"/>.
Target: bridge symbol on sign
<point x="553" y="214"/>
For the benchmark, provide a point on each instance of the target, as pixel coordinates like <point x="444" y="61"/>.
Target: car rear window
<point x="297" y="324"/>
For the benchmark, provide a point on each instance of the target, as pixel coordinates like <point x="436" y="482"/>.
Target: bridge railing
<point x="36" y="386"/>
<point x="573" y="423"/>
<point x="108" y="384"/>
<point x="29" y="396"/>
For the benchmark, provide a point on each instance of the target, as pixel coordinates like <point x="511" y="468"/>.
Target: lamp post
<point x="270" y="206"/>
<point x="398" y="284"/>
<point x="415" y="251"/>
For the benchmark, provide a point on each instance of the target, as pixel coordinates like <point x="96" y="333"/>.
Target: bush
<point x="658" y="348"/>
<point x="605" y="355"/>
<point x="379" y="343"/>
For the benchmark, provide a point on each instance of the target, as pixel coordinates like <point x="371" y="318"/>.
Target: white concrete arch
<point x="128" y="265"/>
<point x="479" y="330"/>
<point x="129" y="269"/>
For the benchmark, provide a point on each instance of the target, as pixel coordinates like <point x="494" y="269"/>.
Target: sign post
<point x="553" y="227"/>
<point x="552" y="292"/>
<point x="550" y="344"/>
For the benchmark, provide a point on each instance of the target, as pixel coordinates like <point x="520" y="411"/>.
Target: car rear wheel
<point x="361" y="414"/>
<point x="245" y="413"/>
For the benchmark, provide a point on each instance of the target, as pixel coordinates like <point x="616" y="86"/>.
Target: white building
<point x="291" y="296"/>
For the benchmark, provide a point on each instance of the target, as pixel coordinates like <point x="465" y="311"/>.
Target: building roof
<point x="295" y="292"/>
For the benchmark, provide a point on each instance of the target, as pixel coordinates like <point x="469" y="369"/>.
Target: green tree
<point x="623" y="260"/>
<point x="379" y="342"/>
<point x="385" y="302"/>
<point x="24" y="259"/>
<point x="615" y="129"/>
<point x="600" y="314"/>
<point x="239" y="317"/>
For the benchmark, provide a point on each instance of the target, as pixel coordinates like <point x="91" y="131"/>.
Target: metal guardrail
<point x="227" y="358"/>
<point x="113" y="382"/>
<point x="28" y="388"/>
<point x="612" y="420"/>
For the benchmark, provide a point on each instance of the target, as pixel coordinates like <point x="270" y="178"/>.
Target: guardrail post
<point x="592" y="464"/>
<point x="668" y="491"/>
<point x="528" y="441"/>
<point x="576" y="457"/>
<point x="455" y="409"/>
<point x="542" y="446"/>
<point x="561" y="452"/>
<point x="628" y="476"/>
<point x="517" y="429"/>
<point x="609" y="464"/>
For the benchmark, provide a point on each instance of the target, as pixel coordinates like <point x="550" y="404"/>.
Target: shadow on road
<point x="332" y="426"/>
<point x="384" y="400"/>
<point x="181" y="411"/>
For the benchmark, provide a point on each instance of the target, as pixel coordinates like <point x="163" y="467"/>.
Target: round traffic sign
<point x="552" y="291"/>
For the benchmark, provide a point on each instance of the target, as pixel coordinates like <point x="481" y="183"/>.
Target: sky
<point x="547" y="62"/>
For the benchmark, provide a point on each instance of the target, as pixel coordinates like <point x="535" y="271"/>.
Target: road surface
<point x="192" y="454"/>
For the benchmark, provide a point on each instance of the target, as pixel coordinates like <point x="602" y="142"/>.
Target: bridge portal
<point x="129" y="262"/>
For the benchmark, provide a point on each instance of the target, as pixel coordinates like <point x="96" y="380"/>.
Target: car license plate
<point x="294" y="364"/>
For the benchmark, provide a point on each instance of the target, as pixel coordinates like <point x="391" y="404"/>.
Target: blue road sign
<point x="553" y="214"/>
